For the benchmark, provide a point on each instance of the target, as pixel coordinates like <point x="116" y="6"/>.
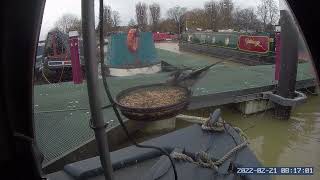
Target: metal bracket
<point x="104" y="126"/>
<point x="299" y="98"/>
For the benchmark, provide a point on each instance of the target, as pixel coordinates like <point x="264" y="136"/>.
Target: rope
<point x="310" y="92"/>
<point x="241" y="133"/>
<point x="231" y="152"/>
<point x="216" y="126"/>
<point x="45" y="77"/>
<point x="204" y="160"/>
<point x="62" y="71"/>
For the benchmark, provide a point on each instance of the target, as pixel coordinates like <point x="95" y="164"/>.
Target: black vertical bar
<point x="21" y="24"/>
<point x="91" y="65"/>
<point x="289" y="62"/>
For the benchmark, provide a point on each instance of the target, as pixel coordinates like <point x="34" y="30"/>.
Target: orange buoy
<point x="132" y="40"/>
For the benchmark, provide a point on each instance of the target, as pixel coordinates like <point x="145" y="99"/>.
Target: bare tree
<point x="196" y="18"/>
<point x="177" y="14"/>
<point x="141" y="15"/>
<point x="155" y="15"/>
<point x="268" y="13"/>
<point x="262" y="12"/>
<point x="211" y="9"/>
<point x="238" y="19"/>
<point x="132" y="23"/>
<point x="115" y="19"/>
<point x="245" y="19"/>
<point x="111" y="20"/>
<point x="273" y="11"/>
<point x="68" y="22"/>
<point x="107" y="20"/>
<point x="226" y="8"/>
<point x="167" y="25"/>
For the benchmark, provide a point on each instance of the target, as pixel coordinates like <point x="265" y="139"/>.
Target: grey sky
<point x="56" y="8"/>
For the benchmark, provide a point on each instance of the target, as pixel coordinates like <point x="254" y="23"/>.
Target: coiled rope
<point x="216" y="126"/>
<point x="202" y="158"/>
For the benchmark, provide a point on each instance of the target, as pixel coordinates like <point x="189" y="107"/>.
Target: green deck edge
<point x="59" y="132"/>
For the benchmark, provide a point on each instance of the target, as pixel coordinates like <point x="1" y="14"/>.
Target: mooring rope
<point x="216" y="126"/>
<point x="241" y="133"/>
<point x="202" y="158"/>
<point x="45" y="77"/>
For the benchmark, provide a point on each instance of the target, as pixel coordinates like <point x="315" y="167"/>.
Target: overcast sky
<point x="56" y="8"/>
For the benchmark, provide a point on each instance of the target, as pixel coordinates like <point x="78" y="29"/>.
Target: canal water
<point x="293" y="142"/>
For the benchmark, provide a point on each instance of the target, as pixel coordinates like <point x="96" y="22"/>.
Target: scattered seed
<point x="153" y="97"/>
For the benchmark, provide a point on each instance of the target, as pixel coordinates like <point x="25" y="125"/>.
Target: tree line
<point x="71" y="22"/>
<point x="215" y="15"/>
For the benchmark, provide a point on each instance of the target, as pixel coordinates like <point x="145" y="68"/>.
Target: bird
<point x="187" y="77"/>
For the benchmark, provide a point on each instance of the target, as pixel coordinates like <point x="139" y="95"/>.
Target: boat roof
<point x="139" y="163"/>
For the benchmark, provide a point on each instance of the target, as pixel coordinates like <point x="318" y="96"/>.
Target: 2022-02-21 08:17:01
<point x="275" y="170"/>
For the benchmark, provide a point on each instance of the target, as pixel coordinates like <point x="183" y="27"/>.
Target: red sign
<point x="257" y="44"/>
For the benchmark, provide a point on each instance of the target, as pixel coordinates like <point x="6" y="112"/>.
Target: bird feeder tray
<point x="153" y="102"/>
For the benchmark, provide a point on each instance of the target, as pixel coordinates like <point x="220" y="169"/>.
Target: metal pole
<point x="91" y="64"/>
<point x="289" y="63"/>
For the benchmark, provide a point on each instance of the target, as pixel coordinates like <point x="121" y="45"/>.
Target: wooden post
<point x="289" y="61"/>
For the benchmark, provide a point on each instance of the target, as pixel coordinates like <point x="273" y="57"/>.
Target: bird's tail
<point x="188" y="79"/>
<point x="204" y="69"/>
